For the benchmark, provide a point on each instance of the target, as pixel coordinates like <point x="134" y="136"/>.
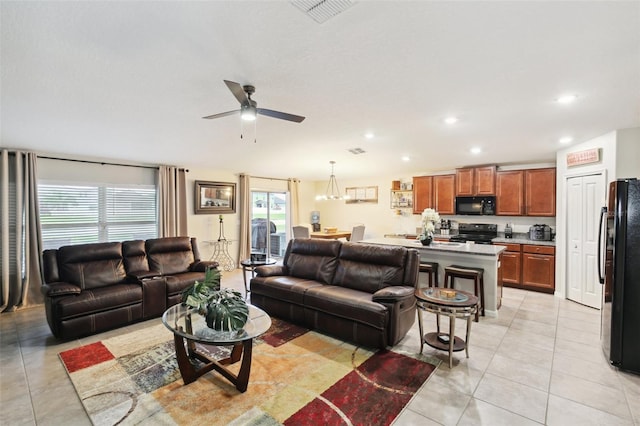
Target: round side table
<point x="452" y="303"/>
<point x="251" y="265"/>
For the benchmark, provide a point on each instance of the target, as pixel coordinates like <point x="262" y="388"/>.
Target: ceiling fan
<point x="249" y="108"/>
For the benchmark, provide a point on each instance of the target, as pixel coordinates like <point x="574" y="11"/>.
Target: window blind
<point x="72" y="213"/>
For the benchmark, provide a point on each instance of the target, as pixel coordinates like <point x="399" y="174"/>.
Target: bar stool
<point x="467" y="272"/>
<point x="430" y="268"/>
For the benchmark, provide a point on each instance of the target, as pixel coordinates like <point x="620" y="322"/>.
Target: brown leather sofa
<point x="90" y="288"/>
<point x="363" y="293"/>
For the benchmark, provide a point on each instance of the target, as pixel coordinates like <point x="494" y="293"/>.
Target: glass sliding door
<point x="269" y="222"/>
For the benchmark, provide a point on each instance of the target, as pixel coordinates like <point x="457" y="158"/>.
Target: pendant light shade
<point x="333" y="191"/>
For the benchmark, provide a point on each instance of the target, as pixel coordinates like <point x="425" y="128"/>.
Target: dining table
<point x="331" y="235"/>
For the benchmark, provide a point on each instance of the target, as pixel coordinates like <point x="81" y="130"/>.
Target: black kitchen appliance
<point x="619" y="252"/>
<point x="480" y="233"/>
<point x="476" y="206"/>
<point x="540" y="233"/>
<point x="508" y="231"/>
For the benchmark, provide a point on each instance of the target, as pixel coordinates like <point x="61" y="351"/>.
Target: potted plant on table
<point x="223" y="308"/>
<point x="429" y="217"/>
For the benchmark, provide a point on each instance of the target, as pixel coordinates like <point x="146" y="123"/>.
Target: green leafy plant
<point x="223" y="308"/>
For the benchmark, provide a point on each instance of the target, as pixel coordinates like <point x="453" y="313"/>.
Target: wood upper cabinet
<point x="540" y="192"/>
<point x="476" y="181"/>
<point x="510" y="193"/>
<point x="444" y="198"/>
<point x="422" y="193"/>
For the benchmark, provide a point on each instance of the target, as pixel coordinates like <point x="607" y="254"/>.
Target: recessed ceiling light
<point x="369" y="135"/>
<point x="566" y="99"/>
<point x="565" y="139"/>
<point x="476" y="150"/>
<point x="406" y="158"/>
<point x="451" y="120"/>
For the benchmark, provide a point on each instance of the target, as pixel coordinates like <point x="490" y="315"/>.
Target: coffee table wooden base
<point x="186" y="351"/>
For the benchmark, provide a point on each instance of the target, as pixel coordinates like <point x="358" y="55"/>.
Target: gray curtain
<point x="20" y="241"/>
<point x="244" y="205"/>
<point x="172" y="202"/>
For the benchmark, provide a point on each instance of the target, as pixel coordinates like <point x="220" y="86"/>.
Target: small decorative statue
<point x="429" y="217"/>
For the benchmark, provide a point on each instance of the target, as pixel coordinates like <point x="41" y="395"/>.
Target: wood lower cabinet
<point x="528" y="266"/>
<point x="539" y="267"/>
<point x="422" y="193"/>
<point x="444" y="194"/>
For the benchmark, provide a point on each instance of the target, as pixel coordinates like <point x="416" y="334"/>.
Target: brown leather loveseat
<point x="362" y="293"/>
<point x="91" y="288"/>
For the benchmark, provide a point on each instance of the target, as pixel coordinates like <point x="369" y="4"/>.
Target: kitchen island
<point x="484" y="256"/>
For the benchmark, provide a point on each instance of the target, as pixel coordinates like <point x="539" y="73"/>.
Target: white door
<point x="585" y="197"/>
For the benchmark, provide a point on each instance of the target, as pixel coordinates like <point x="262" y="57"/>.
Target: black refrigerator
<point x="620" y="255"/>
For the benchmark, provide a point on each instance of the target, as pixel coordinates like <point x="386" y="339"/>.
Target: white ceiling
<point x="130" y="81"/>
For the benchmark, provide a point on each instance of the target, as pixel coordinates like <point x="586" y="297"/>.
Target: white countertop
<point x="461" y="248"/>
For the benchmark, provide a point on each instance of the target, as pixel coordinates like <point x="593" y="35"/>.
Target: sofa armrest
<point x="59" y="289"/>
<point x="203" y="265"/>
<point x="271" y="270"/>
<point x="138" y="276"/>
<point x="392" y="294"/>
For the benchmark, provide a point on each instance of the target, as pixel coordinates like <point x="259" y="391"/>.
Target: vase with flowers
<point x="429" y="217"/>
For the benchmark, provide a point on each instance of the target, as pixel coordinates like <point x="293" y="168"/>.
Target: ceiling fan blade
<point x="280" y="115"/>
<point x="238" y="92"/>
<point x="222" y="114"/>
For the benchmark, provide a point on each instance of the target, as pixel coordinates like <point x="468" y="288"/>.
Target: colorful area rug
<point x="298" y="377"/>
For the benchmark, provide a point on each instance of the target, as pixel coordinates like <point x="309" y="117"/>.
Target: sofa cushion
<point x="98" y="300"/>
<point x="370" y="267"/>
<point x="312" y="259"/>
<point x="91" y="265"/>
<point x="135" y="257"/>
<point x="171" y="255"/>
<point x="347" y="303"/>
<point x="284" y="288"/>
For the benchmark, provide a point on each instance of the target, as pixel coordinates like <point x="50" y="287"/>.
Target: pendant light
<point x="333" y="191"/>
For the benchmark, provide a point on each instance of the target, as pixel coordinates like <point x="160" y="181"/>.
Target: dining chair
<point x="301" y="231"/>
<point x="357" y="234"/>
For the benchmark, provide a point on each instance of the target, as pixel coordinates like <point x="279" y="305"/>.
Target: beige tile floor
<point x="538" y="363"/>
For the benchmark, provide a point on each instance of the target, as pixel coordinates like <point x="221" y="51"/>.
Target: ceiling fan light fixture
<point x="248" y="113"/>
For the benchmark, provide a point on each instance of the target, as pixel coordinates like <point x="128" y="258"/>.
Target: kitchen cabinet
<point x="444" y="194"/>
<point x="510" y="193"/>
<point x="528" y="266"/>
<point x="538" y="267"/>
<point x="422" y="193"/>
<point x="474" y="181"/>
<point x="511" y="264"/>
<point x="540" y="192"/>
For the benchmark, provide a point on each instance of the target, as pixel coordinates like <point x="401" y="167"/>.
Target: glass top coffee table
<point x="452" y="303"/>
<point x="190" y="330"/>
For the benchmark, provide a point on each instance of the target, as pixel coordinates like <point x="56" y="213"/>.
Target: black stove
<point x="479" y="233"/>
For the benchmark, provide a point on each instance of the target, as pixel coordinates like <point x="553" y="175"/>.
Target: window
<point x="72" y="213"/>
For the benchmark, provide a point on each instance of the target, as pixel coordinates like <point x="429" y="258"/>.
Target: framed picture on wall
<point x="215" y="197"/>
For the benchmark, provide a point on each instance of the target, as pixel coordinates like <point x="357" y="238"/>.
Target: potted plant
<point x="429" y="217"/>
<point x="223" y="308"/>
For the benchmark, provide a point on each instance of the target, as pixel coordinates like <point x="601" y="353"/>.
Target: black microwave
<point x="476" y="206"/>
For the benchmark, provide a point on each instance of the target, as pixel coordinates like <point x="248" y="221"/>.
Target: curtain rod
<point x="103" y="163"/>
<point x="268" y="178"/>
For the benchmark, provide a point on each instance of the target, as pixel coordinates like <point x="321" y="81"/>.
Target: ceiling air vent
<point x="322" y="10"/>
<point x="357" y="151"/>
